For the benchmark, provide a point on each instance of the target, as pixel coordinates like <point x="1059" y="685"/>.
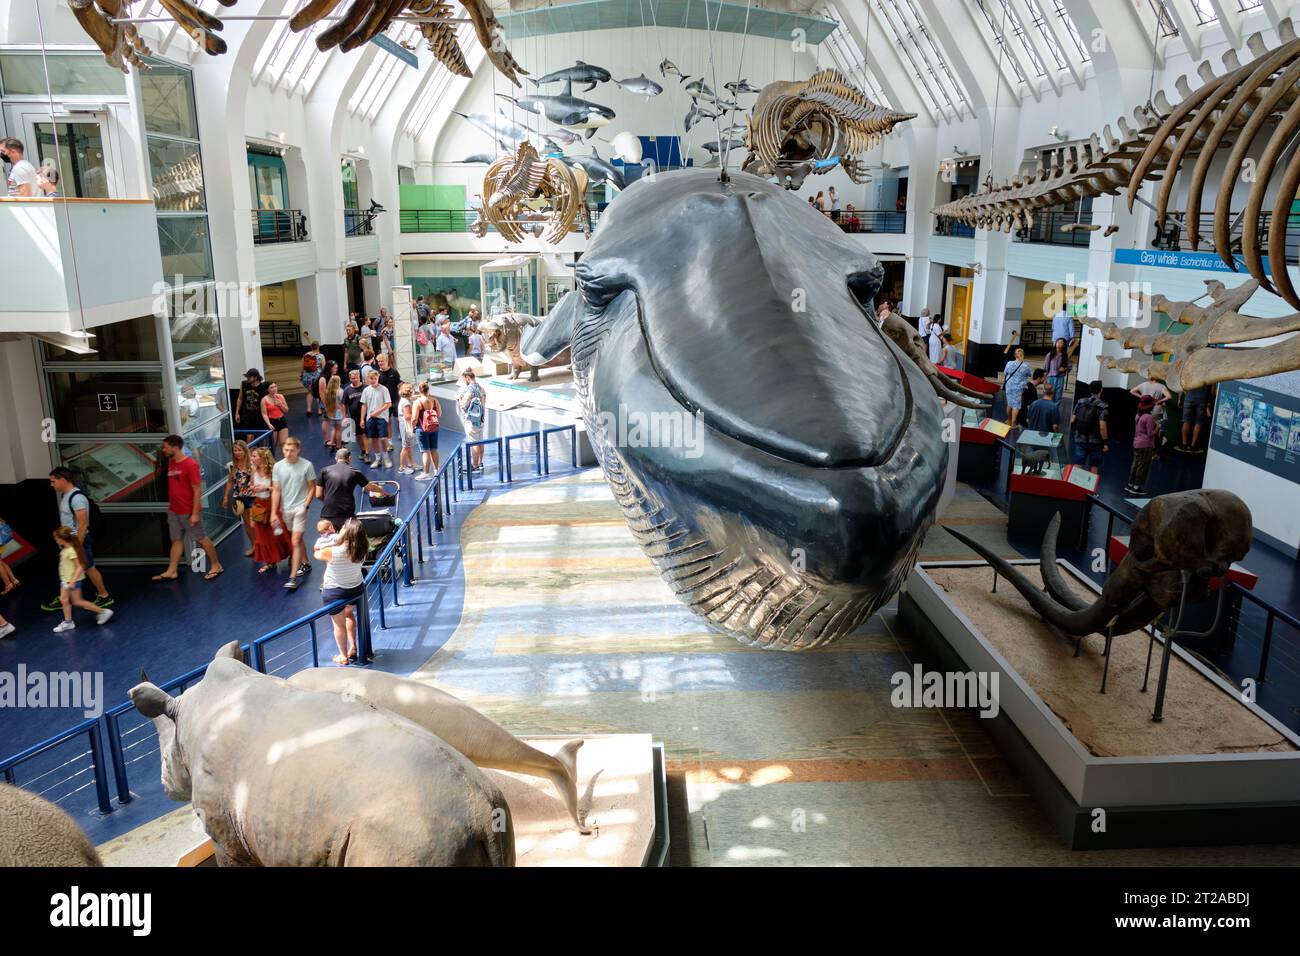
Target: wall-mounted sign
<point x="1260" y="427"/>
<point x="370" y="270"/>
<point x="107" y="401"/>
<point x="1179" y="259"/>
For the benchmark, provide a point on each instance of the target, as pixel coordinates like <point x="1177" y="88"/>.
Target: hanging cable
<point x="724" y="153"/>
<point x="997" y="97"/>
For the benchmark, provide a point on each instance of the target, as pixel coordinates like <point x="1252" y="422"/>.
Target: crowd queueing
<point x="271" y="489"/>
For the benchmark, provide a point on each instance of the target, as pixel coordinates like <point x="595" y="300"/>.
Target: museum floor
<point x="538" y="607"/>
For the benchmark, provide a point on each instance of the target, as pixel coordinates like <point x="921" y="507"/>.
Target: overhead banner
<point x="1259" y="427"/>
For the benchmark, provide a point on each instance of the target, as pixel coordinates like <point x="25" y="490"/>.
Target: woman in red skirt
<point x="269" y="548"/>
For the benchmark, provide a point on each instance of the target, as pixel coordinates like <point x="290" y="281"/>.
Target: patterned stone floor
<point x="788" y="759"/>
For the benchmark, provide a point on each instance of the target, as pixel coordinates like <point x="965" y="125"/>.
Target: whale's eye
<point x="864" y="284"/>
<point x="597" y="289"/>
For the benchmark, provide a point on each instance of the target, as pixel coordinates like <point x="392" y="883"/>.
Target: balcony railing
<point x="358" y="222"/>
<point x="871" y="220"/>
<point x="451" y="220"/>
<point x="1049" y="227"/>
<point x="278" y="225"/>
<point x="947" y="226"/>
<point x="1174" y="234"/>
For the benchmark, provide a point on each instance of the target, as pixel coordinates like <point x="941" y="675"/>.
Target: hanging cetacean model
<point x="796" y="128"/>
<point x="363" y="21"/>
<point x="528" y="193"/>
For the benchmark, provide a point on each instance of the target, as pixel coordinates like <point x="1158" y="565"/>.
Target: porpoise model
<point x="641" y="85"/>
<point x="597" y="169"/>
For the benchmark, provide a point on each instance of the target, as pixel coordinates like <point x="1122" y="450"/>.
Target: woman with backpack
<point x="426" y="412"/>
<point x="1015" y="375"/>
<point x="313" y="363"/>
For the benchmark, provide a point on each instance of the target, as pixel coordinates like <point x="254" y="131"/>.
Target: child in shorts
<point x="72" y="570"/>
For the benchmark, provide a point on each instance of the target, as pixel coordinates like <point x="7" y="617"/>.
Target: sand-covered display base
<point x="1200" y="717"/>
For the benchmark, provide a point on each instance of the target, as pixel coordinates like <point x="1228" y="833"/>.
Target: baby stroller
<point x="382" y="524"/>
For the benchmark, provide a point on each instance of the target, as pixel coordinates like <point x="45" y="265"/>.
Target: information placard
<point x="1260" y="427"/>
<point x="404" y="331"/>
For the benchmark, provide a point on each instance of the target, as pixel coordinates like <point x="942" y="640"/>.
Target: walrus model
<point x="282" y="776"/>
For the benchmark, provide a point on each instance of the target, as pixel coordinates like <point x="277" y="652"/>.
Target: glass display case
<point x="1039" y="453"/>
<point x="509" y="285"/>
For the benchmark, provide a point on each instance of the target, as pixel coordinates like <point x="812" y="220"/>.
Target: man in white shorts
<point x="293" y="487"/>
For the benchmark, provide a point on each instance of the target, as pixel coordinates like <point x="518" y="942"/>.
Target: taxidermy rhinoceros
<point x="282" y="776"/>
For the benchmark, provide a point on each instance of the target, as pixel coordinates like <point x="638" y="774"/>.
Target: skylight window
<point x="934" y="78"/>
<point x="1072" y="30"/>
<point x="1204" y="11"/>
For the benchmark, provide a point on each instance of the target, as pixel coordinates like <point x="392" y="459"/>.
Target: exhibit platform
<point x="621" y="786"/>
<point x="1216" y="770"/>
<point x="519" y="405"/>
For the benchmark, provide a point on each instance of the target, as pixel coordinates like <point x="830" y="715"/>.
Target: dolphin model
<point x="728" y="144"/>
<point x="484" y="743"/>
<point x="641" y="85"/>
<point x="784" y="524"/>
<point x="500" y="127"/>
<point x="597" y="169"/>
<point x="475" y="159"/>
<point x="699" y="88"/>
<point x="579" y="73"/>
<point x="736" y="87"/>
<point x="669" y="67"/>
<point x="566" y="111"/>
<point x="695" y="114"/>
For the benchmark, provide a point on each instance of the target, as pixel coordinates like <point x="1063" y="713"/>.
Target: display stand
<point x="1041" y="486"/>
<point x="979" y="454"/>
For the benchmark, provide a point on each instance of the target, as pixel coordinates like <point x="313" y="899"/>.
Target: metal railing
<point x="1174" y="236"/>
<point x="129" y="743"/>
<point x="452" y="220"/>
<point x="278" y="225"/>
<point x="955" y="228"/>
<point x="358" y="222"/>
<point x="870" y="220"/>
<point x="1048" y="227"/>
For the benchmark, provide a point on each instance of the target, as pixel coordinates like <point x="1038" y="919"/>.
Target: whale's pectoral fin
<point x="544" y="341"/>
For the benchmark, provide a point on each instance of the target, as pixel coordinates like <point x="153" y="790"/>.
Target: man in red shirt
<point x="185" y="509"/>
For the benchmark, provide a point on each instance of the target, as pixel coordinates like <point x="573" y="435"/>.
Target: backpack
<point x="474" y="410"/>
<point x="429" y="418"/>
<point x="1087" y="418"/>
<point x="309" y="364"/>
<point x="94" y="519"/>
